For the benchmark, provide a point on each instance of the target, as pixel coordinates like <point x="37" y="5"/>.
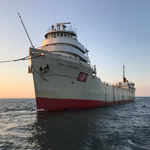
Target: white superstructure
<point x="62" y="40"/>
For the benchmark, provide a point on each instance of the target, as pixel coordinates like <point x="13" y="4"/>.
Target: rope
<point x="21" y="59"/>
<point x="53" y="74"/>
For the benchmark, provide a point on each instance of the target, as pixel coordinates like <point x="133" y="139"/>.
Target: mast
<point x="26" y="31"/>
<point x="123" y="71"/>
<point x="124" y="78"/>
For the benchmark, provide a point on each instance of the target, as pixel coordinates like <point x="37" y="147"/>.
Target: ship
<point x="64" y="77"/>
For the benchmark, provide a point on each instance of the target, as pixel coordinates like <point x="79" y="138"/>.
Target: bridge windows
<point x="59" y="34"/>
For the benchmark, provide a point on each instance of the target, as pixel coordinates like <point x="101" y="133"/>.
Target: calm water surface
<point x="119" y="127"/>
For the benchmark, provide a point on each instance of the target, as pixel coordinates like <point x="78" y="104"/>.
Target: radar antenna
<point x="58" y="24"/>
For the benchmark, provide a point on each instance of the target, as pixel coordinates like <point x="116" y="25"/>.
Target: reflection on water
<point x="119" y="127"/>
<point x="64" y="130"/>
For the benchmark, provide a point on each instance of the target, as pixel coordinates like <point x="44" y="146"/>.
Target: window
<point x="54" y="35"/>
<point x="61" y="34"/>
<point x="57" y="34"/>
<point x="65" y="34"/>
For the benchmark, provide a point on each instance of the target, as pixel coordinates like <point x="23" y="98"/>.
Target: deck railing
<point x="68" y="28"/>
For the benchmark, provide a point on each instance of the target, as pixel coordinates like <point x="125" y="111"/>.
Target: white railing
<point x="58" y="28"/>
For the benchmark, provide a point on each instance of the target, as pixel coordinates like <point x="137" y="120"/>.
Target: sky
<point x="116" y="33"/>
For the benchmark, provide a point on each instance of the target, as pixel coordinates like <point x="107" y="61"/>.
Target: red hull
<point x="53" y="104"/>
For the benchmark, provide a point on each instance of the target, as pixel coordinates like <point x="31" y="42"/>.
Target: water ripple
<point x="120" y="127"/>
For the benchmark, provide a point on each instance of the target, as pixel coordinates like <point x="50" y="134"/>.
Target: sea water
<point x="119" y="127"/>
